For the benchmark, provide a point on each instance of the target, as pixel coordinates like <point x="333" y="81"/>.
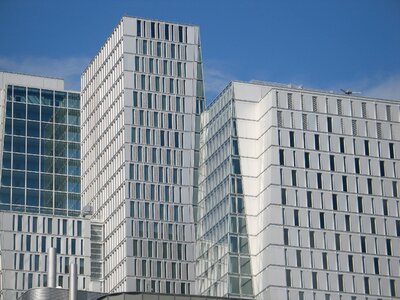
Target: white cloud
<point x="216" y="78"/>
<point x="386" y="89"/>
<point x="67" y="68"/>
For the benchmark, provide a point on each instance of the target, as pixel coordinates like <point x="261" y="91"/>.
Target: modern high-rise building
<point x="40" y="184"/>
<point x="299" y="195"/>
<point x="142" y="96"/>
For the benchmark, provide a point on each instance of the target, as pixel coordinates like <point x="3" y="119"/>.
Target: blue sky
<point x="330" y="44"/>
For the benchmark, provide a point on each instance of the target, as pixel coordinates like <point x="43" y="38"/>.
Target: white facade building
<point x="142" y="95"/>
<point x="299" y="195"/>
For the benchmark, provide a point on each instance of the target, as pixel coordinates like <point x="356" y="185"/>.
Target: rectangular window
<point x="392" y="288"/>
<point x="334" y="202"/>
<point x="314" y="280"/>
<point x="351" y="264"/>
<point x="288" y="279"/>
<point x="296" y="217"/>
<point x="307" y="160"/>
<point x="341" y="142"/>
<point x="382" y="167"/>
<point x="363" y="245"/>
<point x="394" y="185"/>
<point x="376" y="265"/>
<point x="388" y="247"/>
<point x="398" y="227"/>
<point x="281" y="157"/>
<point x="337" y="241"/>
<point x="319" y="180"/>
<point x="283" y="195"/>
<point x="357" y="165"/>
<point x="291" y="138"/>
<point x="366" y="285"/>
<point x="316" y="142"/>
<point x="298" y="257"/>
<point x="294" y="178"/>
<point x="322" y="220"/>
<point x="138" y="28"/>
<point x="309" y="199"/>
<point x="286" y="236"/>
<point x="332" y="162"/>
<point x="373" y="226"/>
<point x="360" y="204"/>
<point x="325" y="260"/>
<point x="391" y="150"/>
<point x="347" y="221"/>
<point x="369" y="185"/>
<point x="329" y="121"/>
<point x="340" y="281"/>
<point x="312" y="242"/>
<point x="366" y="148"/>
<point x="344" y="183"/>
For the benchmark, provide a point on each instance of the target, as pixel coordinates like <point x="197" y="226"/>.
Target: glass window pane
<point x="18" y="196"/>
<point x="47" y="114"/>
<point x="60" y="99"/>
<point x="47" y="130"/>
<point x="74" y="202"/>
<point x="46" y="199"/>
<point x="60" y="149"/>
<point x="32" y="146"/>
<point x="18" y="179"/>
<point x="19" y="144"/>
<point x="60" y="166"/>
<point x="60" y="183"/>
<point x="247" y="288"/>
<point x="234" y="285"/>
<point x="73" y="100"/>
<point x="32" y="180"/>
<point x="9" y="93"/>
<point x="6" y="178"/>
<point x="34" y="112"/>
<point x="33" y="129"/>
<point x="60" y="132"/>
<point x="6" y="160"/>
<point x="73" y="117"/>
<point x="4" y="196"/>
<point x="33" y="96"/>
<point x="7" y="143"/>
<point x="46" y="181"/>
<point x="47" y="164"/>
<point x="74" y="184"/>
<point x="47" y="147"/>
<point x="60" y="200"/>
<point x="8" y="127"/>
<point x="74" y="167"/>
<point x="19" y="110"/>
<point x="32" y="197"/>
<point x="9" y="109"/>
<point x="245" y="265"/>
<point x="47" y="97"/>
<point x="19" y="94"/>
<point x="73" y="134"/>
<point x="60" y="115"/>
<point x="32" y="163"/>
<point x="74" y="150"/>
<point x="19" y="127"/>
<point x="19" y="161"/>
<point x="234" y="265"/>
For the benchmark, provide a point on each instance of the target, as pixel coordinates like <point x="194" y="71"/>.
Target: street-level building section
<point x="299" y="195"/>
<point x="142" y="96"/>
<point x="25" y="240"/>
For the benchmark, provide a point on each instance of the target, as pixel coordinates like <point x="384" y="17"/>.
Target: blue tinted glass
<point x="9" y="93"/>
<point x="73" y="117"/>
<point x="60" y="200"/>
<point x="60" y="183"/>
<point x="47" y="114"/>
<point x="19" y="127"/>
<point x="18" y="196"/>
<point x="33" y="129"/>
<point x="74" y="202"/>
<point x="47" y="130"/>
<point x="60" y="99"/>
<point x="32" y="163"/>
<point x="60" y="115"/>
<point x="47" y="97"/>
<point x="47" y="164"/>
<point x="8" y="127"/>
<point x="60" y="132"/>
<point x="5" y="195"/>
<point x="73" y="100"/>
<point x="19" y="161"/>
<point x="32" y="197"/>
<point x="33" y="96"/>
<point x="32" y="146"/>
<point x="19" y="144"/>
<point x="46" y="199"/>
<point x="6" y="160"/>
<point x="60" y="149"/>
<point x="19" y="94"/>
<point x="32" y="180"/>
<point x="73" y="134"/>
<point x="19" y="110"/>
<point x="74" y="185"/>
<point x="74" y="167"/>
<point x="9" y="109"/>
<point x="7" y="143"/>
<point x="6" y="178"/>
<point x="60" y="166"/>
<point x="74" y="150"/>
<point x="18" y="179"/>
<point x="47" y="147"/>
<point x="34" y="112"/>
<point x="46" y="182"/>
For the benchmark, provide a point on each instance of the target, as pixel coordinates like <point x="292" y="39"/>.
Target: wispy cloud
<point x="67" y="68"/>
<point x="216" y="78"/>
<point x="389" y="88"/>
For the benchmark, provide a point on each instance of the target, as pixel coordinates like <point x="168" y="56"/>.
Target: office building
<point x="142" y="95"/>
<point x="40" y="183"/>
<point x="299" y="195"/>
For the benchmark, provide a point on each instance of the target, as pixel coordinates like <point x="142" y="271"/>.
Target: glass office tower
<point x="142" y="95"/>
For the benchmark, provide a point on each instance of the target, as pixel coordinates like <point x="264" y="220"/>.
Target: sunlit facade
<point x="305" y="183"/>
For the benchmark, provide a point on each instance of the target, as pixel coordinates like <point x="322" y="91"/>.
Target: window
<point x="309" y="199"/>
<point x="319" y="180"/>
<point x="307" y="160"/>
<point x="325" y="260"/>
<point x="332" y="162"/>
<point x="294" y="179"/>
<point x="360" y="204"/>
<point x="337" y="241"/>
<point x="281" y="157"/>
<point x="340" y="281"/>
<point x="314" y="280"/>
<point x="398" y="227"/>
<point x="385" y="207"/>
<point x="369" y="185"/>
<point x="298" y="257"/>
<point x="291" y="138"/>
<point x="388" y="247"/>
<point x="363" y="245"/>
<point x="329" y="121"/>
<point x="391" y="150"/>
<point x="344" y="183"/>
<point x="322" y="220"/>
<point x="366" y="148"/>
<point x="312" y="243"/>
<point x="296" y="217"/>
<point x="286" y="236"/>
<point x="341" y="142"/>
<point x="357" y="165"/>
<point x="394" y="186"/>
<point x="288" y="279"/>
<point x="334" y="202"/>
<point x="138" y="28"/>
<point x="373" y="226"/>
<point x="382" y="167"/>
<point x="283" y="195"/>
<point x="376" y="265"/>
<point x="366" y="285"/>
<point x="392" y="288"/>
<point x="316" y="142"/>
<point x="351" y="264"/>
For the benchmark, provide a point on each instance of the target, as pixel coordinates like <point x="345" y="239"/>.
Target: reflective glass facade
<point x="41" y="154"/>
